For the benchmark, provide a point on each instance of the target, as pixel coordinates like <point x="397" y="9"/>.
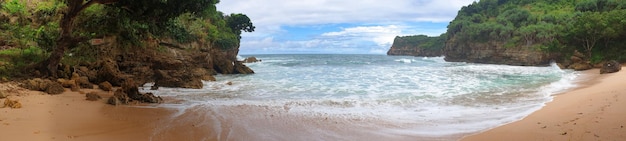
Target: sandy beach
<point x="69" y="116"/>
<point x="594" y="111"/>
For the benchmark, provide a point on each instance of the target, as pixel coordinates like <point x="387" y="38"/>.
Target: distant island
<point x="576" y="34"/>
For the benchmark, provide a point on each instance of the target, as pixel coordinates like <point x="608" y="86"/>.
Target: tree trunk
<point x="66" y="39"/>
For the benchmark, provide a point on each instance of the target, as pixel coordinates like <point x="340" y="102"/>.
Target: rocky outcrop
<point x="105" y="86"/>
<point x="577" y="62"/>
<point x="251" y="59"/>
<point x="44" y="85"/>
<point x="175" y="78"/>
<point x="403" y="46"/>
<point x="495" y="53"/>
<point x="129" y="92"/>
<point x="610" y="67"/>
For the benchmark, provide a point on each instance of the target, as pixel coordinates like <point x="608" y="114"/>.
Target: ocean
<point x="371" y="97"/>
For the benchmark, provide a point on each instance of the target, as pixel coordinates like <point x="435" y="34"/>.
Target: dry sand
<point x="69" y="117"/>
<point x="595" y="111"/>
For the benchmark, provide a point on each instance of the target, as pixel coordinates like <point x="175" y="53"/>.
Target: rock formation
<point x="12" y="104"/>
<point x="44" y="85"/>
<point x="610" y="67"/>
<point x="251" y="59"/>
<point x="105" y="86"/>
<point x="129" y="92"/>
<point x="495" y="53"/>
<point x="405" y="46"/>
<point x="92" y="96"/>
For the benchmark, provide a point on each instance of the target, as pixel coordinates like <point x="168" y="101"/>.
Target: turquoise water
<point x="389" y="95"/>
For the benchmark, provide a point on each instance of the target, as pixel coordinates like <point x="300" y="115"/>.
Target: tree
<point x="150" y="11"/>
<point x="239" y="22"/>
<point x="588" y="28"/>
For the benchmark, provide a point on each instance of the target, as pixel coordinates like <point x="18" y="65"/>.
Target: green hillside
<point x="594" y="27"/>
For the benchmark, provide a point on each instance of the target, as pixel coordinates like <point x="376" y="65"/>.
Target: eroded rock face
<point x="610" y="67"/>
<point x="176" y="78"/>
<point x="495" y="53"/>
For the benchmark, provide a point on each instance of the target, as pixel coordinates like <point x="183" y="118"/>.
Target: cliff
<point x="495" y="53"/>
<point x="528" y="32"/>
<point x="419" y="45"/>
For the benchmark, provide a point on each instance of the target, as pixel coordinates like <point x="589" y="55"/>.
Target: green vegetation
<point x="60" y="30"/>
<point x="592" y="26"/>
<point x="422" y="41"/>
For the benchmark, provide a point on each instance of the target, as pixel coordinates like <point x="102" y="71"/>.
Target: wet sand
<point x="594" y="111"/>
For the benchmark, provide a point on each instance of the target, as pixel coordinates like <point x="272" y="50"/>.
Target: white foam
<point x="421" y="96"/>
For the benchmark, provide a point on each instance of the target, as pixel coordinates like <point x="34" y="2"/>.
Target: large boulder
<point x="251" y="59"/>
<point x="610" y="67"/>
<point x="92" y="96"/>
<point x="240" y="68"/>
<point x="44" y="85"/>
<point x="119" y="98"/>
<point x="129" y="92"/>
<point x="177" y="78"/>
<point x="109" y="71"/>
<point x="69" y="84"/>
<point x="105" y="86"/>
<point x="12" y="104"/>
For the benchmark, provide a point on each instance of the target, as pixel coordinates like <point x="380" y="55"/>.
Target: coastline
<point x="592" y="111"/>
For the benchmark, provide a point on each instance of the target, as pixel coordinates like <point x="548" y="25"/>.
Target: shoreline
<point x="590" y="111"/>
<point x="69" y="116"/>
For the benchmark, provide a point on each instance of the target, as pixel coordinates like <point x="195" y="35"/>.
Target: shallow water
<point x="347" y="97"/>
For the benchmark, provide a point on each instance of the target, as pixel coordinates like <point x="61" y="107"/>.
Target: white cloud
<point x="375" y="22"/>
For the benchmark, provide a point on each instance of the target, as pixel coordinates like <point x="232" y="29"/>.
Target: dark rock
<point x="129" y="92"/>
<point x="175" y="78"/>
<point x="90" y="74"/>
<point x="110" y="72"/>
<point x="240" y="68"/>
<point x="106" y="86"/>
<point x="580" y="66"/>
<point x="43" y="85"/>
<point x="251" y="59"/>
<point x="54" y="88"/>
<point x="92" y="96"/>
<point x="611" y="67"/>
<point x="119" y="98"/>
<point x="203" y="74"/>
<point x="83" y="82"/>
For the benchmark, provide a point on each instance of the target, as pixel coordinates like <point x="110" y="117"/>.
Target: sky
<point x="338" y="26"/>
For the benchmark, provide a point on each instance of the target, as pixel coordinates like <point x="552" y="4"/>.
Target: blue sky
<point x="338" y="26"/>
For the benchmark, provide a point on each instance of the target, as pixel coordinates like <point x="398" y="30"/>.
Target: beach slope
<point x="595" y="111"/>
